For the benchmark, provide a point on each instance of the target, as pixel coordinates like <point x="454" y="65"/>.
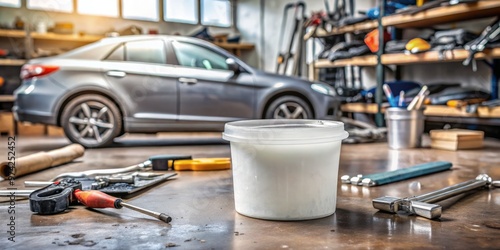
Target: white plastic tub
<point x="285" y="169"/>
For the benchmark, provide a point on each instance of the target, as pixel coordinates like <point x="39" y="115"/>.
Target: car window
<point x="150" y="51"/>
<point x="117" y="55"/>
<point x="191" y="55"/>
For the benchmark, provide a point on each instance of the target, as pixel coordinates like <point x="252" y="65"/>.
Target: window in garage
<point x="146" y="10"/>
<point x="105" y="7"/>
<point x="117" y="55"/>
<point x="185" y="11"/>
<point x="149" y="51"/>
<point x="216" y="12"/>
<point x="191" y="55"/>
<point x="51" y="5"/>
<point x="10" y="3"/>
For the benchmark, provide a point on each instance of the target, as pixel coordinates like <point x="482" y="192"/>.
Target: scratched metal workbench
<point x="201" y="204"/>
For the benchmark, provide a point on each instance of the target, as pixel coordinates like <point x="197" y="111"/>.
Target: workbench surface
<point x="202" y="208"/>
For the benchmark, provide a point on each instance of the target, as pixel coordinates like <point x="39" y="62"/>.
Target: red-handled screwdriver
<point x="98" y="199"/>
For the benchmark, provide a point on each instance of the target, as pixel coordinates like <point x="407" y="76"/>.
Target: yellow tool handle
<point x="203" y="164"/>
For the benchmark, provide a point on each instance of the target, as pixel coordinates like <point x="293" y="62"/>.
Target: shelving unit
<point x="234" y="48"/>
<point x="12" y="62"/>
<point x="439" y="15"/>
<point x="456" y="55"/>
<point x="435" y="16"/>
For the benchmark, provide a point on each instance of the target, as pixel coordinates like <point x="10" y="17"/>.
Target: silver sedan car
<point x="150" y="84"/>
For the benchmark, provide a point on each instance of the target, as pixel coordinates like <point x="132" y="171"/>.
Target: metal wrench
<point x="421" y="205"/>
<point x="147" y="165"/>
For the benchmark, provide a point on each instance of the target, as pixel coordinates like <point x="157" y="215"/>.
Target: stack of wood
<point x="455" y="139"/>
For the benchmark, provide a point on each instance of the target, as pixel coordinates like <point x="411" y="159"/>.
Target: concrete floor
<point x="202" y="203"/>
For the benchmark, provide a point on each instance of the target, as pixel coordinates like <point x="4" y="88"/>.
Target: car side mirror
<point x="232" y="65"/>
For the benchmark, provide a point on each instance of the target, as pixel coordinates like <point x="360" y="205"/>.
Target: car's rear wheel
<point x="91" y="120"/>
<point x="288" y="107"/>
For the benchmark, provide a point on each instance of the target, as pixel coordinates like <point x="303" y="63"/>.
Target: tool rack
<point x="439" y="15"/>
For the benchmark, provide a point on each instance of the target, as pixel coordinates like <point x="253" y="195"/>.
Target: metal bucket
<point x="404" y="127"/>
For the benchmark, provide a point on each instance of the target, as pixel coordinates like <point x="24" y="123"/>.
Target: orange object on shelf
<point x="371" y="39"/>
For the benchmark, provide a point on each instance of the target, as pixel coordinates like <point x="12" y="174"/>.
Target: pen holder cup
<point x="404" y="127"/>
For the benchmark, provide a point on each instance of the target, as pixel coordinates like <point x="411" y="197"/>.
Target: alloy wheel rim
<point x="290" y="110"/>
<point x="92" y="122"/>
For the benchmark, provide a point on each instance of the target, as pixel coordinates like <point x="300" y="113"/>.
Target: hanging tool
<point x="491" y="33"/>
<point x="294" y="48"/>
<point x="421" y="205"/>
<point x="397" y="175"/>
<point x="98" y="199"/>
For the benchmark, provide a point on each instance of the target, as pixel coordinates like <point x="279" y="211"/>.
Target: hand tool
<point x="401" y="100"/>
<point x="397" y="175"/>
<point x="421" y="205"/>
<point x="98" y="199"/>
<point x="164" y="162"/>
<point x="107" y="179"/>
<point x="104" y="181"/>
<point x="118" y="184"/>
<point x="54" y="198"/>
<point x="181" y="163"/>
<point x="147" y="165"/>
<point x="202" y="164"/>
<point x="15" y="192"/>
<point x="390" y="97"/>
<point x="488" y="35"/>
<point x="57" y="197"/>
<point x="294" y="47"/>
<point x="415" y="100"/>
<point x="158" y="162"/>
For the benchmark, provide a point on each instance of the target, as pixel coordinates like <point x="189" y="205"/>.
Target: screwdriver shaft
<point x="160" y="216"/>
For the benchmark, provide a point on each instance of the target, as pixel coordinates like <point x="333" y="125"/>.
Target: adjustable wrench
<point x="422" y="205"/>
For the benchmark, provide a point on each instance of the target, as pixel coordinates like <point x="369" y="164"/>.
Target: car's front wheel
<point x="288" y="107"/>
<point x="91" y="120"/>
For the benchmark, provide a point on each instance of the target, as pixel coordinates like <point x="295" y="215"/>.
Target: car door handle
<point x="188" y="81"/>
<point x="116" y="73"/>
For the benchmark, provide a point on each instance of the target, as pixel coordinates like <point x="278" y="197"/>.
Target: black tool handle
<point x="54" y="198"/>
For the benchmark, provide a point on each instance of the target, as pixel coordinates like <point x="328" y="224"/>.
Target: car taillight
<point x="31" y="70"/>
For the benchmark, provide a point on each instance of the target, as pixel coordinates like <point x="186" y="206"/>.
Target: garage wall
<point x="265" y="35"/>
<point x="258" y="22"/>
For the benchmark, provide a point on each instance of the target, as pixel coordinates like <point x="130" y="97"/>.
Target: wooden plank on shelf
<point x="12" y="62"/>
<point x="443" y="110"/>
<point x="368" y="108"/>
<point x="444" y="14"/>
<point x="433" y="56"/>
<point x="7" y="98"/>
<point x="51" y="36"/>
<point x="368" y="60"/>
<point x="242" y="46"/>
<point x="12" y="33"/>
<point x="488" y="112"/>
<point x="66" y="37"/>
<point x="401" y="58"/>
<point x="367" y="25"/>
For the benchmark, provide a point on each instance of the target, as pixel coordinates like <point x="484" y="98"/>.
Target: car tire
<point x="91" y="120"/>
<point x="288" y="107"/>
